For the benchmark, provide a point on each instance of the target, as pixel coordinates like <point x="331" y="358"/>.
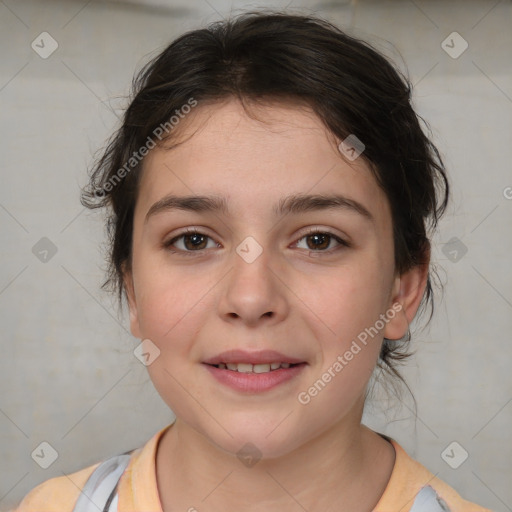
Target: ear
<point x="408" y="290"/>
<point x="132" y="304"/>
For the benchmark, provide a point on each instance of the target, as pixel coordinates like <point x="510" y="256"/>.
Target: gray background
<point x="68" y="375"/>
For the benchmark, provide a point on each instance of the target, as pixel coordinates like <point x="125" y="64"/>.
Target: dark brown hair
<point x="275" y="56"/>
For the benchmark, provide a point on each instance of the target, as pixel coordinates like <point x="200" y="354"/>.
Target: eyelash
<point x="312" y="231"/>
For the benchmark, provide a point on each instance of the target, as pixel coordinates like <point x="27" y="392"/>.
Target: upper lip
<point x="259" y="357"/>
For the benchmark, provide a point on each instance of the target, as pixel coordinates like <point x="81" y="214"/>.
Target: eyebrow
<point x="293" y="204"/>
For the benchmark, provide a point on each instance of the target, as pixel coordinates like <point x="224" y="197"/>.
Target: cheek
<point x="171" y="308"/>
<point x="168" y="298"/>
<point x="348" y="300"/>
<point x="350" y="334"/>
<point x="338" y="389"/>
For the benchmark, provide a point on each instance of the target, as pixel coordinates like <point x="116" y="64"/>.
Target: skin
<point x="292" y="298"/>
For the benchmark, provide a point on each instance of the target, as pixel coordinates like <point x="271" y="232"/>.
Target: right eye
<point x="193" y="241"/>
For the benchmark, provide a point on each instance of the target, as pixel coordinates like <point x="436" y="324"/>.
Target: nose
<point x="253" y="291"/>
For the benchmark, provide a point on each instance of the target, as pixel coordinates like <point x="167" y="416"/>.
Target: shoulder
<point x="60" y="494"/>
<point x="451" y="500"/>
<point x="411" y="485"/>
<point x="57" y="494"/>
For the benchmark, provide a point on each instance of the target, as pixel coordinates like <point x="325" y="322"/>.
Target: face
<point x="305" y="281"/>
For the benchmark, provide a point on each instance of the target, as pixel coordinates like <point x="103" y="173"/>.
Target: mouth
<point x="254" y="368"/>
<point x="254" y="372"/>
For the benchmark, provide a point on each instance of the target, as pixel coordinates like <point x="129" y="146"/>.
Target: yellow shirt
<point x="138" y="490"/>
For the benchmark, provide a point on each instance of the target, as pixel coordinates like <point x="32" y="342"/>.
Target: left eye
<point x="320" y="240"/>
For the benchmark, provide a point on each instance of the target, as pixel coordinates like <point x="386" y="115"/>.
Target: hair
<point x="276" y="56"/>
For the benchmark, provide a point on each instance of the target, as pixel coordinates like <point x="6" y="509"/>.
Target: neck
<point x="347" y="466"/>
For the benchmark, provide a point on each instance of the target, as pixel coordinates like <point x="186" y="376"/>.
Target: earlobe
<point x="132" y="304"/>
<point x="408" y="291"/>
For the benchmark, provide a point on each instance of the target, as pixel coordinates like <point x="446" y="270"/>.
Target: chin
<point x="255" y="437"/>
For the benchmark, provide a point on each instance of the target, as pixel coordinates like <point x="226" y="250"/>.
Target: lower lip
<point x="255" y="382"/>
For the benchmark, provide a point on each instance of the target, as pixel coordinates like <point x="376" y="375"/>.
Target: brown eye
<point x="192" y="241"/>
<point x="320" y="241"/>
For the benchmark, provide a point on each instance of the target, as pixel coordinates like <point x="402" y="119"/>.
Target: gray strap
<point x="427" y="500"/>
<point x="99" y="492"/>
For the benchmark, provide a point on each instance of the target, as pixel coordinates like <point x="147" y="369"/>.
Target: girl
<point x="271" y="197"/>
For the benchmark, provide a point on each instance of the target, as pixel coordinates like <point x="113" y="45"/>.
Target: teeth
<point x="244" y="367"/>
<point x="261" y="368"/>
<point x="252" y="368"/>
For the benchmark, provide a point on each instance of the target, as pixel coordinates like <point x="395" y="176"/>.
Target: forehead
<point x="231" y="132"/>
<point x="254" y="159"/>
